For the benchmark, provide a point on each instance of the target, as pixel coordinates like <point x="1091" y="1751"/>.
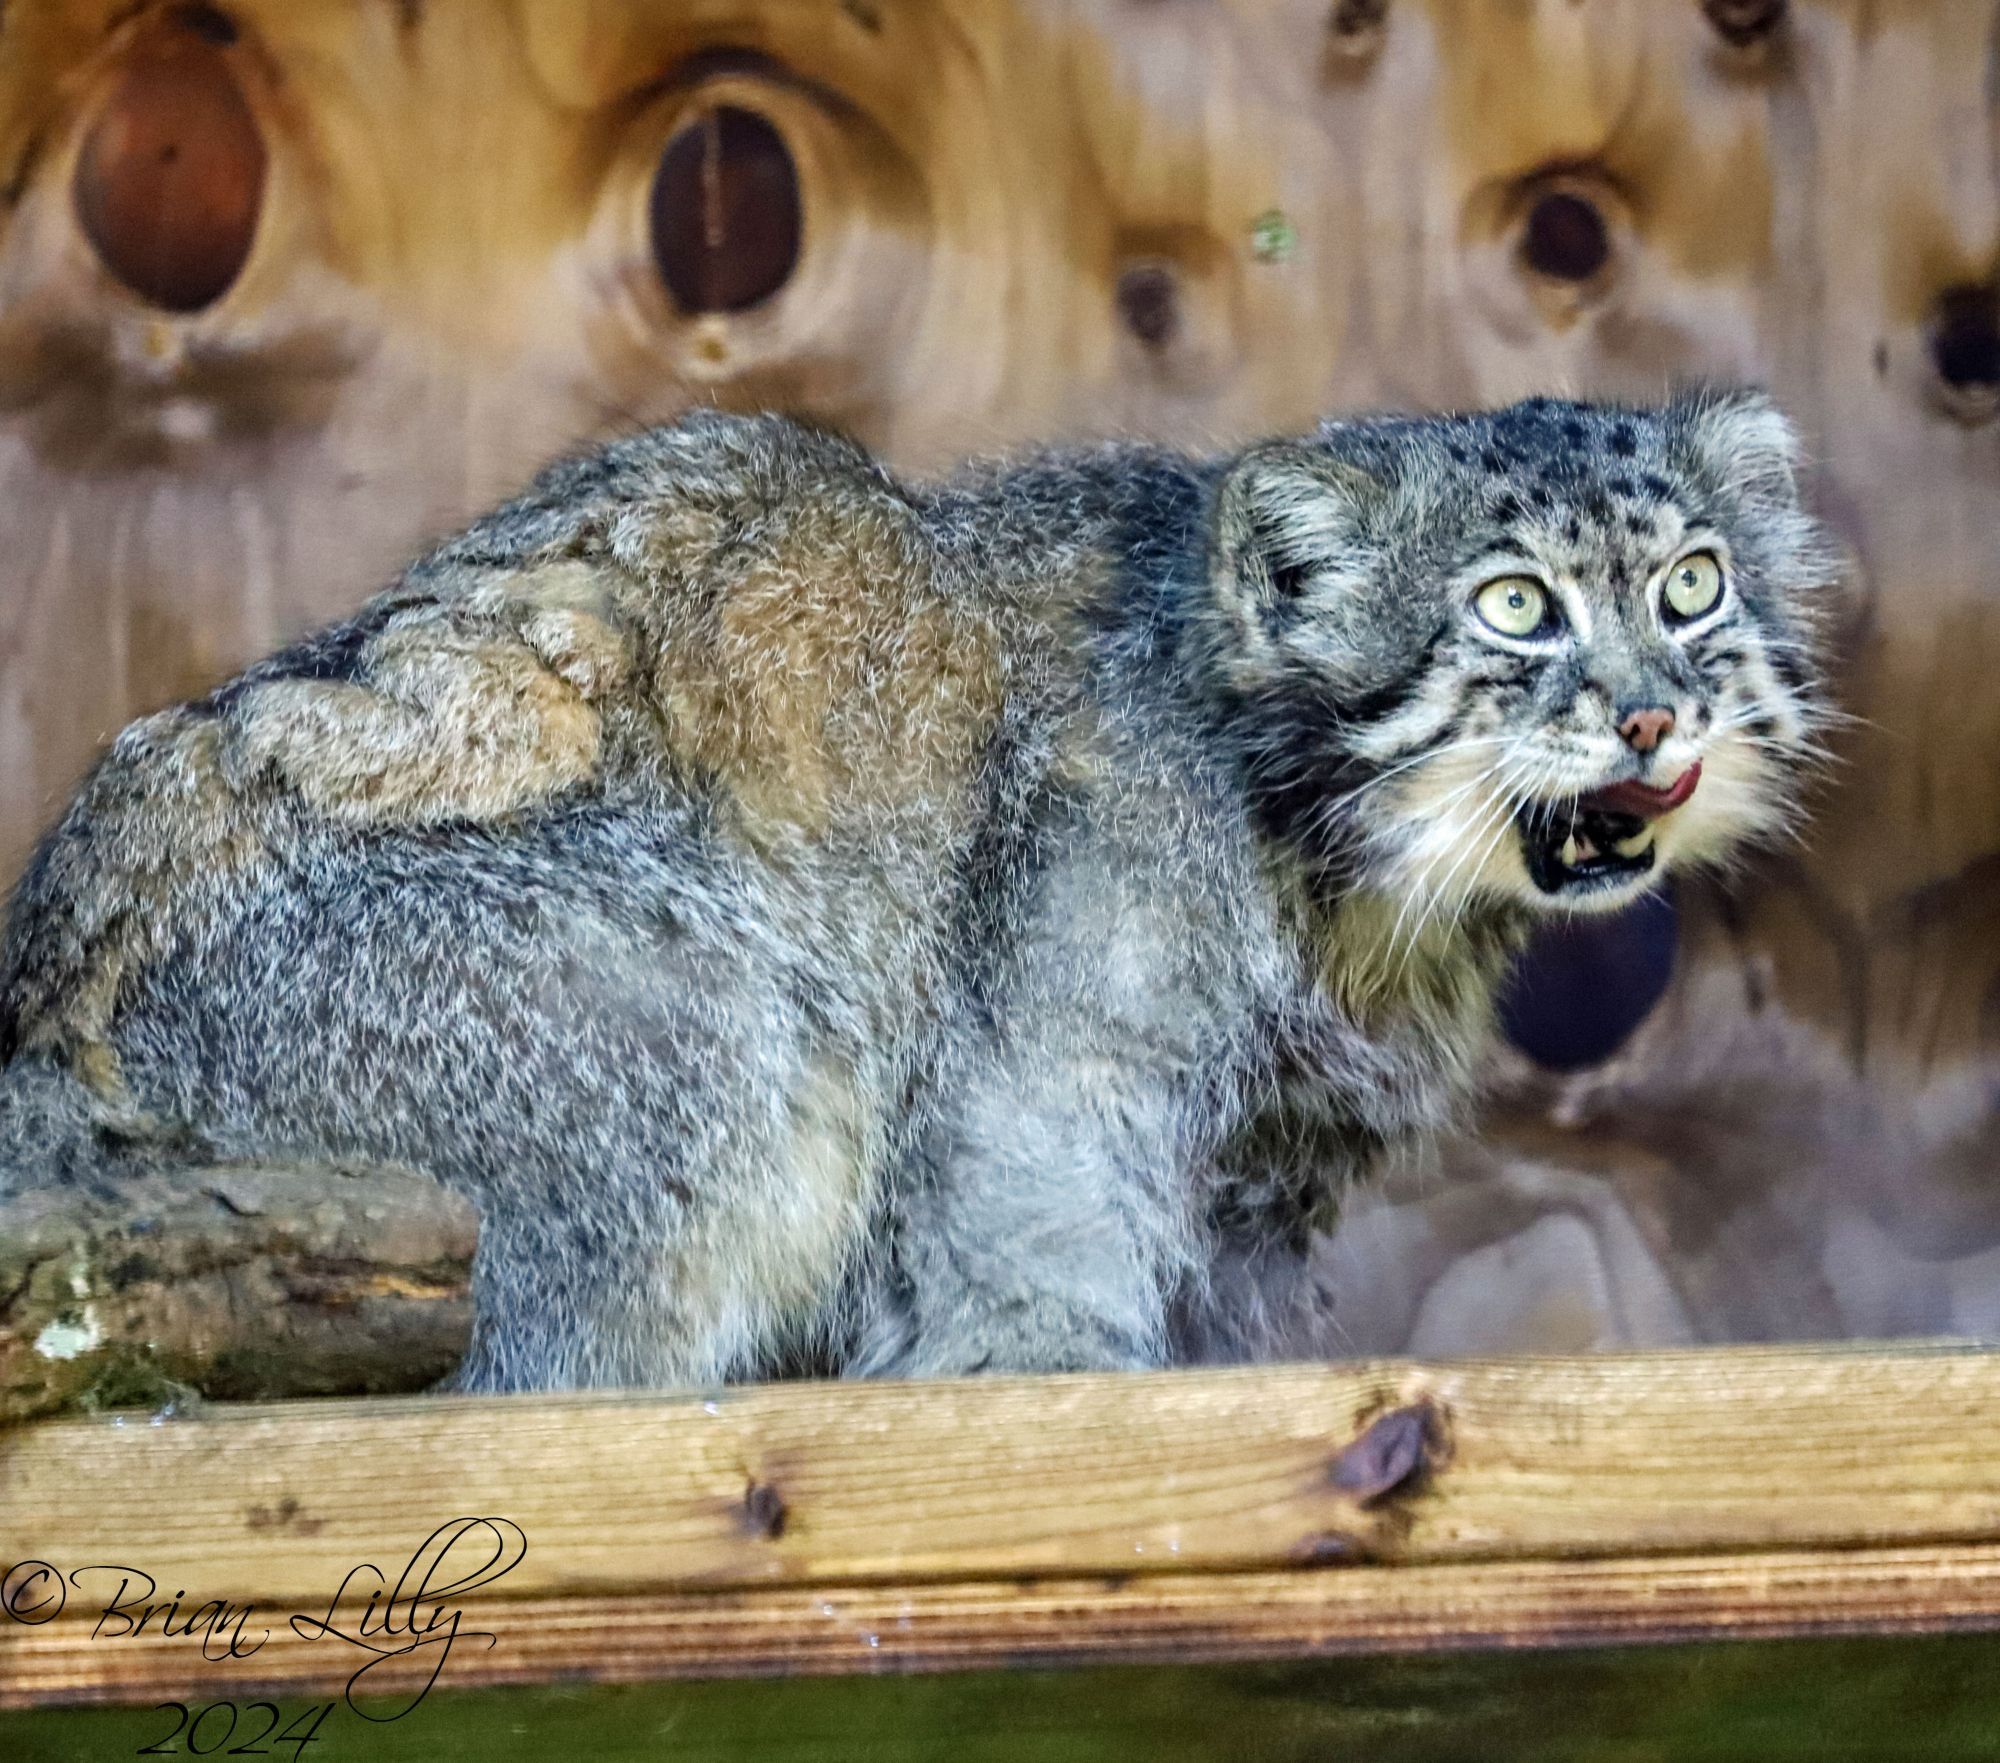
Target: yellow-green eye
<point x="1693" y="586"/>
<point x="1515" y="605"/>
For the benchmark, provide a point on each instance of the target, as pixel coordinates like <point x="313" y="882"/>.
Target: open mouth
<point x="1597" y="841"/>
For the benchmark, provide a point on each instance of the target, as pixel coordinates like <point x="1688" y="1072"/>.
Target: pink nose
<point x="1644" y="730"/>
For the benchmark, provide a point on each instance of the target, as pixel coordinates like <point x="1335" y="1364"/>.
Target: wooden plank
<point x="1799" y="1148"/>
<point x="1004" y="1624"/>
<point x="1742" y="1449"/>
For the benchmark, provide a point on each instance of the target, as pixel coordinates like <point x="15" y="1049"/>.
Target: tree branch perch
<point x="234" y="1282"/>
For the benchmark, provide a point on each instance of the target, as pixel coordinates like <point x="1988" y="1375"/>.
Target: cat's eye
<point x="1694" y="585"/>
<point x="1515" y="605"/>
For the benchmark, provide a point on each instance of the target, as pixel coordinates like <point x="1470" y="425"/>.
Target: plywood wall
<point x="288" y="286"/>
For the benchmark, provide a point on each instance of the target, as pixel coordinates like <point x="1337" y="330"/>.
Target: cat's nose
<point x="1643" y="730"/>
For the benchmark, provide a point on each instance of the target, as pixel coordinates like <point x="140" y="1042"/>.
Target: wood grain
<point x="1644" y="1497"/>
<point x="1005" y="1624"/>
<point x="1211" y="1471"/>
<point x="232" y="1282"/>
<point x="1026" y="219"/>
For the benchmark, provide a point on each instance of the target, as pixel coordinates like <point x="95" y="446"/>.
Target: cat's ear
<point x="1747" y="441"/>
<point x="1289" y="526"/>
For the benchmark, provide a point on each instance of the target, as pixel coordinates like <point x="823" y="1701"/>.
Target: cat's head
<point x="1543" y="654"/>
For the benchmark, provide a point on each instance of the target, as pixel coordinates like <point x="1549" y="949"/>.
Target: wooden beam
<point x="1007" y="1477"/>
<point x="1260" y="1513"/>
<point x="1005" y="1624"/>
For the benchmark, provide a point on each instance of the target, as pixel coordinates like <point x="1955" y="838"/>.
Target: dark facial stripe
<point x="1386" y="701"/>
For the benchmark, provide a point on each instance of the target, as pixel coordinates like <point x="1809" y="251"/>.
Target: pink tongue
<point x="1642" y="800"/>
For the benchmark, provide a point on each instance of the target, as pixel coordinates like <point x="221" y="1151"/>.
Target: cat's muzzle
<point x="1601" y="840"/>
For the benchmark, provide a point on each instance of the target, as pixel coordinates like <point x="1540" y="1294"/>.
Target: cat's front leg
<point x="1048" y="1231"/>
<point x="1054" y="1206"/>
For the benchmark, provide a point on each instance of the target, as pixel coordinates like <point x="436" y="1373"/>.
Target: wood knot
<point x="1354" y="28"/>
<point x="764" y="1510"/>
<point x="1326" y="1548"/>
<point x="1741" y="23"/>
<point x="725" y="212"/>
<point x="1148" y="296"/>
<point x="1565" y="237"/>
<point x="207" y="23"/>
<point x="1176" y="303"/>
<point x="1391" y="1454"/>
<point x="1964" y="337"/>
<point x="287" y="1515"/>
<point x="169" y="181"/>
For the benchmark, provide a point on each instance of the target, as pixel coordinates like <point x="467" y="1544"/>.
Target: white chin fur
<point x="1458" y="858"/>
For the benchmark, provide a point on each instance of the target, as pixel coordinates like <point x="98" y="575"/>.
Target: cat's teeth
<point x="1636" y="845"/>
<point x="1570" y="855"/>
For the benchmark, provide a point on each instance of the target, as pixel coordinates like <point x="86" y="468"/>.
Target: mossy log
<point x="232" y="1282"/>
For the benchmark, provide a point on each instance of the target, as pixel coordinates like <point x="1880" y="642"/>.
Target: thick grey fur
<point x="1101" y="953"/>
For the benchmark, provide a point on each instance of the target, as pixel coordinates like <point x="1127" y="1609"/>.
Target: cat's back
<point x="742" y="619"/>
<point x="835" y="651"/>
